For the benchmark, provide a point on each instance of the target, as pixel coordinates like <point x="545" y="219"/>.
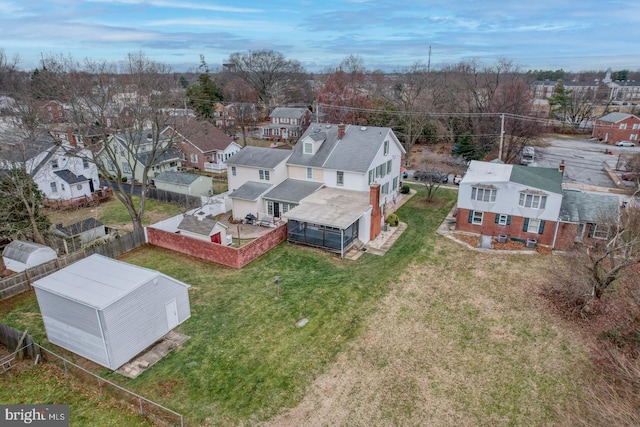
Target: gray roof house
<point x="20" y="255"/>
<point x="108" y="311"/>
<point x="251" y="173"/>
<point x="183" y="183"/>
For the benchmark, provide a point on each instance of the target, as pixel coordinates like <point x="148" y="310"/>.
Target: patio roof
<point x="331" y="207"/>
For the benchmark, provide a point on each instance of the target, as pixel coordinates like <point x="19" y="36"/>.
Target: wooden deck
<point x="86" y="201"/>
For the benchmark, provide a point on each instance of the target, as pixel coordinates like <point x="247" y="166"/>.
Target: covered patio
<point x="331" y="219"/>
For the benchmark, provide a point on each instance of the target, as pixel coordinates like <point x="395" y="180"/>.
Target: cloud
<point x="181" y="5"/>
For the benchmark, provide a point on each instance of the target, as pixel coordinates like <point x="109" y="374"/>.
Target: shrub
<point x="405" y="189"/>
<point x="124" y="179"/>
<point x="393" y="220"/>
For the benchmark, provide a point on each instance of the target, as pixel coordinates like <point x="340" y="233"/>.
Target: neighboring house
<point x="184" y="183"/>
<point x="200" y="226"/>
<point x="61" y="172"/>
<point x="134" y="151"/>
<point x="286" y="124"/>
<point x="20" y="255"/>
<point x="359" y="167"/>
<point x="85" y="231"/>
<point x="251" y="173"/>
<point x="203" y="146"/>
<point x="519" y="202"/>
<point x="584" y="218"/>
<point x="614" y="127"/>
<point x="51" y="112"/>
<point x="108" y="311"/>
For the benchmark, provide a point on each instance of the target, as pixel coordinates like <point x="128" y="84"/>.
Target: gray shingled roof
<point x="250" y="190"/>
<point x="292" y="190"/>
<point x="354" y="152"/>
<point x="70" y="177"/>
<point x="21" y="250"/>
<point x="579" y="206"/>
<point x="288" y="112"/>
<point x="181" y="178"/>
<point x="547" y="179"/>
<point x="79" y="227"/>
<point x="202" y="226"/>
<point x="614" y="117"/>
<point x="259" y="157"/>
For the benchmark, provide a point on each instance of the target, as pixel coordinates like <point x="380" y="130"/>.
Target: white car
<point x="625" y="144"/>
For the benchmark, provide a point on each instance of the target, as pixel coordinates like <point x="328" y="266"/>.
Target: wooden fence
<point x="183" y="200"/>
<point x="15" y="339"/>
<point x="21" y="282"/>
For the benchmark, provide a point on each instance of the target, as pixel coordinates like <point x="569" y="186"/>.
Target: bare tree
<point x="243" y="98"/>
<point x="276" y="80"/>
<point x="118" y="110"/>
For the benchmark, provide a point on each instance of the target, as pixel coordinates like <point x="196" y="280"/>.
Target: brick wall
<point x="220" y="254"/>
<point x="513" y="230"/>
<point x="376" y="213"/>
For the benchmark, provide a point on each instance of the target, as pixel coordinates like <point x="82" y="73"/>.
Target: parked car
<point x="431" y="176"/>
<point x="625" y="144"/>
<point x="405" y="175"/>
<point x="528" y="156"/>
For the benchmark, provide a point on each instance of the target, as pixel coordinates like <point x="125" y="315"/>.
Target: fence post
<point x="141" y="411"/>
<point x="65" y="366"/>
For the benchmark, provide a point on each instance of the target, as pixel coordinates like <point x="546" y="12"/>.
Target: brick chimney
<point x="71" y="138"/>
<point x="341" y="128"/>
<point x="376" y="213"/>
<point x="561" y="167"/>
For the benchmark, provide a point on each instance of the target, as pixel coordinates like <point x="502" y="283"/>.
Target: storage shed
<point x="20" y="255"/>
<point x="108" y="311"/>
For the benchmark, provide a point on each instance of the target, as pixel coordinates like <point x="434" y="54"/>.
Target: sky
<point x="388" y="35"/>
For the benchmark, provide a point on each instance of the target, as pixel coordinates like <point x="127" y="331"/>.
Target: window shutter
<point x="541" y="228"/>
<point x="470" y="217"/>
<point x="592" y="229"/>
<point x="497" y="218"/>
<point x="508" y="219"/>
<point x="526" y="224"/>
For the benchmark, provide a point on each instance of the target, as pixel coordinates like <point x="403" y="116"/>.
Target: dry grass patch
<point x="452" y="346"/>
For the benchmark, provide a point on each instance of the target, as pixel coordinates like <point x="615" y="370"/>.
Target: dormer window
<point x="483" y="194"/>
<point x="308" y="148"/>
<point x="54" y="164"/>
<point x="530" y="200"/>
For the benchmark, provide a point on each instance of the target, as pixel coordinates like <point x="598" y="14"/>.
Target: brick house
<point x="287" y="124"/>
<point x="519" y="202"/>
<point x="203" y="146"/>
<point x="52" y="112"/>
<point x="614" y="127"/>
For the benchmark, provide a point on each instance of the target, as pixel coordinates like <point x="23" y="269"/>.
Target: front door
<point x="276" y="210"/>
<point x="172" y="314"/>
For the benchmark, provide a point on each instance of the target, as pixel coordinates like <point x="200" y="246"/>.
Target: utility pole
<point x="501" y="136"/>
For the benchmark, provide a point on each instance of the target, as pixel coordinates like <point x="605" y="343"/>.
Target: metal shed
<point x="108" y="311"/>
<point x="20" y="255"/>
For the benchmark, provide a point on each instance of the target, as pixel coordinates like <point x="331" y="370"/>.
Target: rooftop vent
<point x="363" y="128"/>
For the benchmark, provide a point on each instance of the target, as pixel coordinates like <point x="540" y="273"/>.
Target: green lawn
<point x="246" y="361"/>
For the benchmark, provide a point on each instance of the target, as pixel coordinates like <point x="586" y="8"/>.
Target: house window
<point x="309" y="173"/>
<point x="633" y="137"/>
<point x="371" y="177"/>
<point x="54" y="188"/>
<point x="535" y="226"/>
<point x="308" y="148"/>
<point x="54" y="164"/>
<point x="62" y="186"/>
<point x="339" y="178"/>
<point x="636" y="126"/>
<point x="532" y="201"/>
<point x="233" y="171"/>
<point x="386" y="148"/>
<point x="110" y="166"/>
<point x="270" y="207"/>
<point x="502" y="219"/>
<point x="125" y="167"/>
<point x="85" y="163"/>
<point x="483" y="194"/>
<point x="623" y="126"/>
<point x="395" y="182"/>
<point x="475" y="217"/>
<point x="389" y="166"/>
<point x="193" y="158"/>
<point x="264" y="175"/>
<point x="598" y="232"/>
<point x="385" y="188"/>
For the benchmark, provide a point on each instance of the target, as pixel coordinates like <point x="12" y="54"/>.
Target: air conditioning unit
<point x="531" y="243"/>
<point x="502" y="238"/>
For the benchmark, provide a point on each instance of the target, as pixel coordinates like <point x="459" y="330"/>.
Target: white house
<point x="518" y="202"/>
<point x="133" y="152"/>
<point x="251" y="173"/>
<point x="108" y="311"/>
